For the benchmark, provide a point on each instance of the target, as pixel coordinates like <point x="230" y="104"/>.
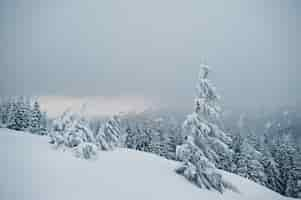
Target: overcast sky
<point x="150" y="51"/>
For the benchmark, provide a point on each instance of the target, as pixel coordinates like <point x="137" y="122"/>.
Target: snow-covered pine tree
<point x="169" y="137"/>
<point x="44" y="124"/>
<point x="157" y="135"/>
<point x="130" y="138"/>
<point x="272" y="173"/>
<point x="139" y="138"/>
<point x="196" y="167"/>
<point x="11" y="110"/>
<point x="271" y="170"/>
<point x="71" y="130"/>
<point x="20" y="115"/>
<point x="211" y="140"/>
<point x="247" y="161"/>
<point x="205" y="146"/>
<point x="284" y="153"/>
<point x="36" y="119"/>
<point x="110" y="135"/>
<point x="2" y="113"/>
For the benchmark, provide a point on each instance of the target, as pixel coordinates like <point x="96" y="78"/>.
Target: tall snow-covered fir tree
<point x="206" y="145"/>
<point x="212" y="141"/>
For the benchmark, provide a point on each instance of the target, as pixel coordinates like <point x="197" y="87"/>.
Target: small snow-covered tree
<point x="71" y="130"/>
<point x="36" y="119"/>
<point x="3" y="113"/>
<point x="20" y="115"/>
<point x="139" y="138"/>
<point x="271" y="169"/>
<point x="86" y="150"/>
<point x="272" y="173"/>
<point x="11" y="110"/>
<point x="110" y="134"/>
<point x="284" y="153"/>
<point x="248" y="161"/>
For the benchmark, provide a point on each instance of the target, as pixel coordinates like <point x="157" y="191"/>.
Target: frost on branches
<point x="110" y="135"/>
<point x="71" y="130"/>
<point x="248" y="161"/>
<point x="86" y="150"/>
<point x="197" y="168"/>
<point x="211" y="140"/>
<point x="207" y="147"/>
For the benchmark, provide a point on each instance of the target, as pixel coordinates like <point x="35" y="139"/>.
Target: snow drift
<point x="31" y="170"/>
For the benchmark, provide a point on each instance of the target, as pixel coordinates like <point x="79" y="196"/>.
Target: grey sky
<point x="152" y="49"/>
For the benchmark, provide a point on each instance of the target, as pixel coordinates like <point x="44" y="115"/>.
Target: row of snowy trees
<point x="73" y="131"/>
<point x="23" y="114"/>
<point x="159" y="136"/>
<point x="269" y="157"/>
<point x="199" y="143"/>
<point x="272" y="162"/>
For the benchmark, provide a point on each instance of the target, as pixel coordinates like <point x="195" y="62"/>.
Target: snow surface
<point x="30" y="169"/>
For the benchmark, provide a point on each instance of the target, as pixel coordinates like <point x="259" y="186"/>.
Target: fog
<point x="152" y="50"/>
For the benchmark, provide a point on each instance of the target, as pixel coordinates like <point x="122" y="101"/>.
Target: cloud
<point x="152" y="49"/>
<point x="93" y="106"/>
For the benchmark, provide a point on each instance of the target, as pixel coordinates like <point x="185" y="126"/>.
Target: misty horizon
<point x="122" y="50"/>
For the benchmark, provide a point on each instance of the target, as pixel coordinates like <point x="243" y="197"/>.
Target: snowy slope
<point x="31" y="170"/>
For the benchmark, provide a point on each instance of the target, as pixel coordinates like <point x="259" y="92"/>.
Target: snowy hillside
<point x="31" y="170"/>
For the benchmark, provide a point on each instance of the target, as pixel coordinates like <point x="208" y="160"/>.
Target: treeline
<point x="23" y="114"/>
<point x="139" y="132"/>
<point x="269" y="161"/>
<point x="199" y="143"/>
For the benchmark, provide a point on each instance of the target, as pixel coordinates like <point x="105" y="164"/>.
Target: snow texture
<point x="31" y="170"/>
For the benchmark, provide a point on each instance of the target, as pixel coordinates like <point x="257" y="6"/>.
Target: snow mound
<point x="31" y="170"/>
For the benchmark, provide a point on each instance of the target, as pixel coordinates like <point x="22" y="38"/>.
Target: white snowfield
<point x="30" y="169"/>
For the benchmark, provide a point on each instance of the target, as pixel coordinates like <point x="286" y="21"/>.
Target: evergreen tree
<point x="110" y="135"/>
<point x="197" y="168"/>
<point x="2" y="113"/>
<point x="71" y="130"/>
<point x="285" y="155"/>
<point x="247" y="161"/>
<point x="211" y="140"/>
<point x="20" y="115"/>
<point x="272" y="173"/>
<point x="36" y="119"/>
<point x="44" y="124"/>
<point x="11" y="110"/>
<point x="206" y="145"/>
<point x="139" y="138"/>
<point x="271" y="170"/>
<point x="5" y="106"/>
